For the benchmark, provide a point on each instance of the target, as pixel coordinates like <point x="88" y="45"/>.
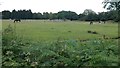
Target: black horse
<point x="17" y="20"/>
<point x="91" y="22"/>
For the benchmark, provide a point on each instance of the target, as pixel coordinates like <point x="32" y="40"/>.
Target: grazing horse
<point x="91" y="22"/>
<point x="17" y="20"/>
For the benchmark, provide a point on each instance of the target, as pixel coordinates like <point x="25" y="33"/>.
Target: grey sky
<point x="52" y="5"/>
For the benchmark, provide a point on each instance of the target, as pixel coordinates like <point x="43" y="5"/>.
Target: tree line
<point x="87" y="15"/>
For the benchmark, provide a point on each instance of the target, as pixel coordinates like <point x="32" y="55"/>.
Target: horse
<point x="91" y="22"/>
<point x="17" y="20"/>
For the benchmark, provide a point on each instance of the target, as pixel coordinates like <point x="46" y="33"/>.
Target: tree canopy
<point x="87" y="15"/>
<point x="113" y="5"/>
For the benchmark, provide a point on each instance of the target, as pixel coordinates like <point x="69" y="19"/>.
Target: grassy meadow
<point x="52" y="30"/>
<point x="24" y="44"/>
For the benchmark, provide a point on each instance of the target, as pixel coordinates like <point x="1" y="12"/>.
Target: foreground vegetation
<point x="20" y="52"/>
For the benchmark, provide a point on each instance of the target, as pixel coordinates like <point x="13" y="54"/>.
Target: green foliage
<point x="113" y="5"/>
<point x="17" y="52"/>
<point x="21" y="14"/>
<point x="74" y="53"/>
<point x="87" y="15"/>
<point x="6" y="14"/>
<point x="67" y="15"/>
<point x="11" y="47"/>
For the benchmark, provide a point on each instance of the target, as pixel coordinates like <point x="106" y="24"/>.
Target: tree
<point x="81" y="17"/>
<point x="55" y="16"/>
<point x="61" y="15"/>
<point x="45" y="15"/>
<point x="51" y="16"/>
<point x="29" y="14"/>
<point x="111" y="15"/>
<point x="113" y="5"/>
<point x="70" y="15"/>
<point x="6" y="14"/>
<point x="88" y="11"/>
<point x="14" y="14"/>
<point x="90" y="15"/>
<point x="103" y="16"/>
<point x="37" y="16"/>
<point x="21" y="14"/>
<point x="0" y="15"/>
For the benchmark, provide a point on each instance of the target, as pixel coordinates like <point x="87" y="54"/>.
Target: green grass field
<point x="27" y="51"/>
<point x="52" y="30"/>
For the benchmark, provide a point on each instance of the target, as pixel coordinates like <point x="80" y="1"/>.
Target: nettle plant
<point x="11" y="47"/>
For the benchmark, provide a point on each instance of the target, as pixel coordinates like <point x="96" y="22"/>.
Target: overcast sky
<point x="54" y="6"/>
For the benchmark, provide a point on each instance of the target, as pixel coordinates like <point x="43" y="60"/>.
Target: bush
<point x="11" y="47"/>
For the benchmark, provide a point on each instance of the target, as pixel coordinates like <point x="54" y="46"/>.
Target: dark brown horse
<point x="17" y="20"/>
<point x="91" y="22"/>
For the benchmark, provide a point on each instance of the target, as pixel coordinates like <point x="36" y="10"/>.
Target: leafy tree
<point x="0" y="15"/>
<point x="51" y="16"/>
<point x="45" y="15"/>
<point x="81" y="17"/>
<point x="67" y="15"/>
<point x="92" y="17"/>
<point x="22" y="14"/>
<point x="102" y="16"/>
<point x="25" y="14"/>
<point x="113" y="5"/>
<point x="29" y="14"/>
<point x="72" y="15"/>
<point x="89" y="15"/>
<point x="88" y="11"/>
<point x="14" y="14"/>
<point x="37" y="16"/>
<point x="61" y="14"/>
<point x="55" y="16"/>
<point x="6" y="14"/>
<point x="111" y="15"/>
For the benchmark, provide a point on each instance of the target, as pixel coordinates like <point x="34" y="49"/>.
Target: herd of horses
<point x="91" y="22"/>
